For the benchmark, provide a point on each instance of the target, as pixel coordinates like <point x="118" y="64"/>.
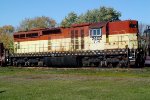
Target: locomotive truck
<point x="102" y="44"/>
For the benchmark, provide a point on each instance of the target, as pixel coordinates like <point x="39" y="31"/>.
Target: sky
<point x="12" y="12"/>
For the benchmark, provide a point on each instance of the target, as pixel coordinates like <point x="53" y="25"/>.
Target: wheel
<point x="110" y="65"/>
<point x="119" y="65"/>
<point x="40" y="64"/>
<point x="100" y="64"/>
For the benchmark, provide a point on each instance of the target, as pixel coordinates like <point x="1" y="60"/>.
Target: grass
<point x="74" y="84"/>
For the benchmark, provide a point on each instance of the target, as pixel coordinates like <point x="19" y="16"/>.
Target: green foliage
<point x="37" y="22"/>
<point x="7" y="29"/>
<point x="95" y="15"/>
<point x="101" y="14"/>
<point x="6" y="36"/>
<point x="70" y="19"/>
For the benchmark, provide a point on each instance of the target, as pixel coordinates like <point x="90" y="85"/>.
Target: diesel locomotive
<point x="101" y="44"/>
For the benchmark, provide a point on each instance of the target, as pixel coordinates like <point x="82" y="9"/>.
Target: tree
<point x="37" y="22"/>
<point x="101" y="14"/>
<point x="107" y="14"/>
<point x="7" y="29"/>
<point x="142" y="27"/>
<point x="95" y="15"/>
<point x="70" y="19"/>
<point x="6" y="36"/>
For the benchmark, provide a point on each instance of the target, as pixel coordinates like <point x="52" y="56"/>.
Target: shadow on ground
<point x="2" y="91"/>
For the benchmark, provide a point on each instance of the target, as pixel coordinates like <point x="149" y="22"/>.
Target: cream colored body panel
<point x="31" y="46"/>
<point x="91" y="44"/>
<point x="118" y="41"/>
